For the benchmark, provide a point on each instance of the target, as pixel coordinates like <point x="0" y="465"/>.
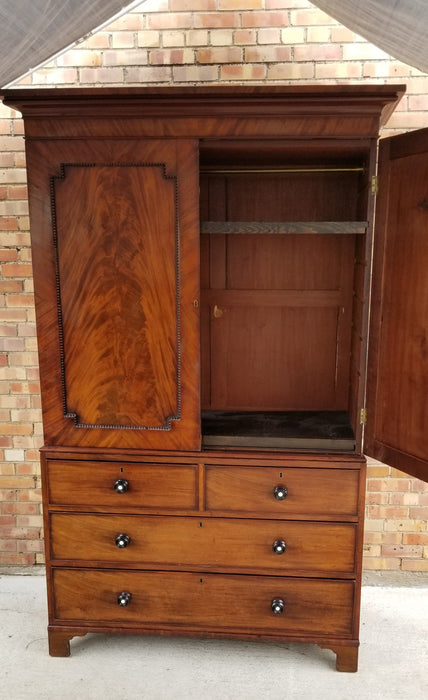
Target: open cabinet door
<point x="397" y="388"/>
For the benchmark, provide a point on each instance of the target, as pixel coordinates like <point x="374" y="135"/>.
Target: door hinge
<point x="363" y="416"/>
<point x="375" y="184"/>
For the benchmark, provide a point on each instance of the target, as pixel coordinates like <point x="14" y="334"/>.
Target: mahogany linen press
<point x="232" y="309"/>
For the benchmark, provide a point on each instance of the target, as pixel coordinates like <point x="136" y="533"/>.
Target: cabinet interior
<point x="283" y="250"/>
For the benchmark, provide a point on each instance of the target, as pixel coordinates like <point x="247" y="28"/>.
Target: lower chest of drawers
<point x="257" y="549"/>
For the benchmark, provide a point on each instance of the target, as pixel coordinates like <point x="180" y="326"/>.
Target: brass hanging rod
<point x="240" y="171"/>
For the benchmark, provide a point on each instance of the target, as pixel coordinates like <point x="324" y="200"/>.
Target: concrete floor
<point x="393" y="656"/>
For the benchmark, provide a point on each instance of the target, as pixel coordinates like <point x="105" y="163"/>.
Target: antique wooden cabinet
<point x="202" y="266"/>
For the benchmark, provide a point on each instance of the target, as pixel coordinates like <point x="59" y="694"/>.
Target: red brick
<point x="170" y="20"/>
<point x="377" y="498"/>
<point x="415" y="565"/>
<point x="194" y="74"/>
<point x="189" y="5"/>
<point x="243" y="72"/>
<point x="8" y="223"/>
<point x="388" y="485"/>
<point x="217" y="20"/>
<point x="15" y="300"/>
<point x="17" y="192"/>
<point x="25" y="388"/>
<point x="16" y="270"/>
<point x="35" y="545"/>
<point x="315" y="52"/>
<point x="32" y="455"/>
<point x="11" y="315"/>
<point x="128" y="22"/>
<point x="8" y="545"/>
<point x="246" y="5"/>
<point x="418" y="102"/>
<point x="415" y="538"/>
<point x="12" y="343"/>
<point x="220" y="55"/>
<point x="245" y="36"/>
<point x="160" y="57"/>
<point x="419" y="486"/>
<point x="100" y="40"/>
<point x="267" y="54"/>
<point x="291" y="71"/>
<point x="387" y="512"/>
<point x="7" y="160"/>
<point x="265" y="19"/>
<point x="10" y="286"/>
<point x="16" y="559"/>
<point x="401" y="551"/>
<point x="419" y="512"/>
<point x="312" y="16"/>
<point x="382" y="563"/>
<point x="11" y="143"/>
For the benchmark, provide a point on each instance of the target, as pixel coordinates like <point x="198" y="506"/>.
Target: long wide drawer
<point x="223" y="544"/>
<point x="122" y="485"/>
<point x="283" y="492"/>
<point x="208" y="602"/>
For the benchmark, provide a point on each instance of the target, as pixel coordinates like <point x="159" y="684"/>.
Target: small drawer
<point x="207" y="602"/>
<point x="234" y="544"/>
<point x="291" y="491"/>
<point x="122" y="485"/>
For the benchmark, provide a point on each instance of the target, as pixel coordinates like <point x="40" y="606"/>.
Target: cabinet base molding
<point x="59" y="639"/>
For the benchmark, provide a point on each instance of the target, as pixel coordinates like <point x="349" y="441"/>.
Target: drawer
<point x="207" y="543"/>
<point x="209" y="602"/>
<point x="301" y="491"/>
<point x="90" y="483"/>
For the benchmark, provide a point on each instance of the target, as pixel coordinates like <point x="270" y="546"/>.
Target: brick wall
<point x="183" y="42"/>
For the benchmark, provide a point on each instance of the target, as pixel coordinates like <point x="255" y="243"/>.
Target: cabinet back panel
<point x="294" y="196"/>
<point x="276" y="321"/>
<point x="286" y="261"/>
<point x="274" y="359"/>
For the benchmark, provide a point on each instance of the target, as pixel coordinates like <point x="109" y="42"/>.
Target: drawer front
<point x="180" y="542"/>
<point x="209" y="602"/>
<point x="148" y="485"/>
<point x="304" y="491"/>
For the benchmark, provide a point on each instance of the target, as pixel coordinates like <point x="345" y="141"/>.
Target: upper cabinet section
<point x="262" y="197"/>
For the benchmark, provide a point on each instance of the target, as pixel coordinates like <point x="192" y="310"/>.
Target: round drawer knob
<point x="122" y="541"/>
<point x="123" y="599"/>
<point x="279" y="546"/>
<point x="277" y="606"/>
<point x="280" y="492"/>
<point x="121" y="486"/>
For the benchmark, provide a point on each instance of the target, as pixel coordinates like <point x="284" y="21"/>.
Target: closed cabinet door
<point x="397" y="420"/>
<point x="115" y="238"/>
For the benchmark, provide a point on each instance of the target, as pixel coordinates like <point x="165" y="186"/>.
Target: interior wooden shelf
<point x="309" y="430"/>
<point x="335" y="227"/>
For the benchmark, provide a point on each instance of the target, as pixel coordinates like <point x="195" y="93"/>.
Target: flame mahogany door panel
<point x="397" y="428"/>
<point x="116" y="277"/>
